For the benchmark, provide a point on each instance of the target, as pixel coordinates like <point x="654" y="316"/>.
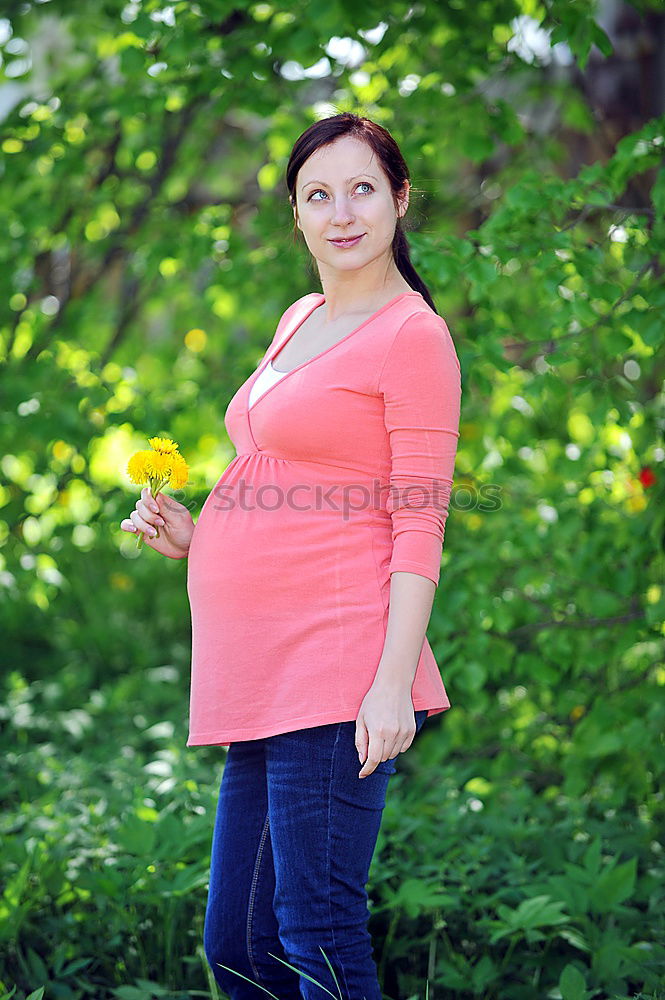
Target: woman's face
<point x="342" y="191"/>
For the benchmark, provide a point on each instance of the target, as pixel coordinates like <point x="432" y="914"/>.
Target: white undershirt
<point x="266" y="379"/>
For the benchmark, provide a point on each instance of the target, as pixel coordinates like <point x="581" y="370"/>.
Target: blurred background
<point x="146" y="254"/>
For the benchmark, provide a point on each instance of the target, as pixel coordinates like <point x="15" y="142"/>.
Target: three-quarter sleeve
<point x="420" y="382"/>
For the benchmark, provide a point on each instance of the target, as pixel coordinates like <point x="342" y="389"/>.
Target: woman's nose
<point x="342" y="211"/>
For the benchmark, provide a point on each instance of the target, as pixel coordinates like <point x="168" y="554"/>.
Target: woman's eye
<point x="320" y="191"/>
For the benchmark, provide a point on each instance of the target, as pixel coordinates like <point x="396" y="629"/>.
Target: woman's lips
<point x="347" y="243"/>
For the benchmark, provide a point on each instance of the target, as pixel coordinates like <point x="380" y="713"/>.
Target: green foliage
<point x="512" y="888"/>
<point x="146" y="255"/>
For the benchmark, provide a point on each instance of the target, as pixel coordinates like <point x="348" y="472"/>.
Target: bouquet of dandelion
<point x="156" y="467"/>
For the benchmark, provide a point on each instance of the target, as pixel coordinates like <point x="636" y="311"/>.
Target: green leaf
<point x="572" y="983"/>
<point x="601" y="39"/>
<point x="477" y="146"/>
<point x="650" y="326"/>
<point x="618" y="343"/>
<point x="614" y="885"/>
<point x="658" y="193"/>
<point x="137" y="836"/>
<point x="75" y="966"/>
<point x="574" y="938"/>
<point x="153" y="988"/>
<point x="472" y="676"/>
<point x="538" y="911"/>
<point x="592" y="856"/>
<point x="415" y="895"/>
<point x="37" y="966"/>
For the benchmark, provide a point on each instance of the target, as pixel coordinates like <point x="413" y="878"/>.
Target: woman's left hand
<point x="385" y="726"/>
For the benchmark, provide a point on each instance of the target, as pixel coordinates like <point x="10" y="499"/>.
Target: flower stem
<point x="152" y="483"/>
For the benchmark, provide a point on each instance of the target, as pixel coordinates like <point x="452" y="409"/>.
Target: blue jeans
<point x="294" y="837"/>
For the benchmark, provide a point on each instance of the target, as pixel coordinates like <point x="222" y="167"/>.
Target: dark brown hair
<point x="325" y="131"/>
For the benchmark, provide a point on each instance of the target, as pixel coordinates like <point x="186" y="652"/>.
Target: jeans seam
<point x="328" y="858"/>
<point x="252" y="895"/>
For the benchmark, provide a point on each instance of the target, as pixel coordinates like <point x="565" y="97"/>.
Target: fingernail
<point x="160" y="520"/>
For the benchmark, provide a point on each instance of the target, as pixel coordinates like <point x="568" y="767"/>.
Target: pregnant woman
<point x="311" y="574"/>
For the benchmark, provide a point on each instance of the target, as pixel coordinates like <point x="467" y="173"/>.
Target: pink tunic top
<point x="342" y="475"/>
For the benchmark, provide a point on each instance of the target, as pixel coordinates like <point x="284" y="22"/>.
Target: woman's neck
<point x="350" y="292"/>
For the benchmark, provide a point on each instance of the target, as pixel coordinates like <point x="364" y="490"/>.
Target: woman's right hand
<point x="173" y="519"/>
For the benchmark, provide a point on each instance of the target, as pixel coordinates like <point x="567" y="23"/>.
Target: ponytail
<point x="402" y="257"/>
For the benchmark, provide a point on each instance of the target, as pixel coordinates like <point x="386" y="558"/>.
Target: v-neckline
<point x="284" y="375"/>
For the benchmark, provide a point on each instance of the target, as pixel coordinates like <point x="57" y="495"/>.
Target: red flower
<point x="647" y="477"/>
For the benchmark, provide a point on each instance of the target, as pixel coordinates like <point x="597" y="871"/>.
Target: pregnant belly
<point x="244" y="562"/>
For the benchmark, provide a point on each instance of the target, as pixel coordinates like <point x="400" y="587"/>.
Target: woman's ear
<point x="403" y="199"/>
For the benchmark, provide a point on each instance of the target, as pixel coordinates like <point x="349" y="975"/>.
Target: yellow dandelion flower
<point x="160" y="466"/>
<point x="163" y="445"/>
<point x="179" y="472"/>
<point x="137" y="467"/>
